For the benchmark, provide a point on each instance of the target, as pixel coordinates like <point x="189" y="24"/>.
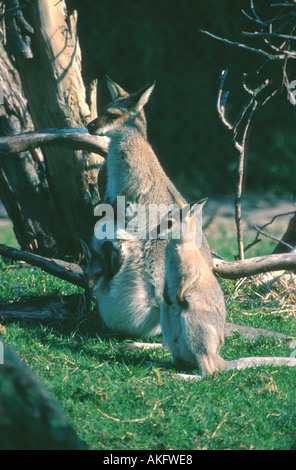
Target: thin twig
<point x="239" y="190"/>
<point x="257" y="239"/>
<point x="221" y="100"/>
<point x="262" y="34"/>
<point x="250" y="107"/>
<point x="256" y="16"/>
<point x="244" y="46"/>
<point x="273" y="238"/>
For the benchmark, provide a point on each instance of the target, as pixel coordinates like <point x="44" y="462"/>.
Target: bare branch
<point x="249" y="267"/>
<point x="47" y="308"/>
<point x="78" y="139"/>
<point x="261" y="34"/>
<point x="69" y="272"/>
<point x="257" y="240"/>
<point x="245" y="47"/>
<point x="256" y="16"/>
<point x="250" y="106"/>
<point x="74" y="274"/>
<point x="221" y="100"/>
<point x="273" y="238"/>
<point x="239" y="190"/>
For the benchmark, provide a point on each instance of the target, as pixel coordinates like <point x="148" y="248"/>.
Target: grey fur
<point x="193" y="313"/>
<point x="133" y="171"/>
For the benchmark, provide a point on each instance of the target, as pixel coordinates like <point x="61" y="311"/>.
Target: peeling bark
<point x="43" y="87"/>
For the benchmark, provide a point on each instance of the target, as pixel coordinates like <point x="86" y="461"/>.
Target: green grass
<point x="7" y="236"/>
<point x="116" y="400"/>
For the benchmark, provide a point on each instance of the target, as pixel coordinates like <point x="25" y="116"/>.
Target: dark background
<point x="137" y="42"/>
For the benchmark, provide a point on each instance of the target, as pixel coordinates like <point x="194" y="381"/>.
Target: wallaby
<point x="133" y="171"/>
<point x="193" y="312"/>
<point x="122" y="286"/>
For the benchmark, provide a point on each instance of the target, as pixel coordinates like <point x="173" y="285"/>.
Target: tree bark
<point x="45" y="309"/>
<point x="69" y="138"/>
<point x="23" y="184"/>
<point x="250" y="267"/>
<point x="43" y="39"/>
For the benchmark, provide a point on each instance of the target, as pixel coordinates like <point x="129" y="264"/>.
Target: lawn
<point x="118" y="399"/>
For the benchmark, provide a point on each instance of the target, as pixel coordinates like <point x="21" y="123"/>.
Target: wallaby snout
<point x="92" y="126"/>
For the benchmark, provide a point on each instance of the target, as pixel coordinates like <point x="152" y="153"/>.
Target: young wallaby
<point x="124" y="293"/>
<point x="193" y="312"/>
<point x="131" y="298"/>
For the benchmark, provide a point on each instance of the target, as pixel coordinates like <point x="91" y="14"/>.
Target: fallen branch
<point x="69" y="272"/>
<point x="249" y="267"/>
<point x="77" y="139"/>
<point x="45" y="309"/>
<point x="74" y="273"/>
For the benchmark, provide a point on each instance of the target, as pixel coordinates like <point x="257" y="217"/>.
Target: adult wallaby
<point x="129" y="273"/>
<point x="193" y="312"/>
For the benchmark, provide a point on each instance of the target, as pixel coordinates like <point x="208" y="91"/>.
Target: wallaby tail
<point x="245" y="362"/>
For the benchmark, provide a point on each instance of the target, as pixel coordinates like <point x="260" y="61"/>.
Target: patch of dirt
<point x="219" y="216"/>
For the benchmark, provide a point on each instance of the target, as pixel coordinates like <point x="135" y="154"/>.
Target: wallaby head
<point x="101" y="264"/>
<point x="125" y="110"/>
<point x="183" y="222"/>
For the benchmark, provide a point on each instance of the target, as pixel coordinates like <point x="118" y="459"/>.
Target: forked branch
<point x="246" y="114"/>
<point x="275" y="37"/>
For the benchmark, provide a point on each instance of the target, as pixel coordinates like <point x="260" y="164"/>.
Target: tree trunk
<point x="23" y="184"/>
<point x="43" y="39"/>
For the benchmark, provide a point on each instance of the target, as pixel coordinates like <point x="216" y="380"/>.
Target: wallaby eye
<point x="113" y="115"/>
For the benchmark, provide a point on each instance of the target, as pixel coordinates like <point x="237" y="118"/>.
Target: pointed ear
<point x="141" y="97"/>
<point x="115" y="90"/>
<point x="198" y="205"/>
<point x="176" y="199"/>
<point x="85" y="250"/>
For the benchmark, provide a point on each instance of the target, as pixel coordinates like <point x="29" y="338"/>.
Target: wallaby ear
<point x="176" y="200"/>
<point x="115" y="90"/>
<point x="197" y="205"/>
<point x="141" y="97"/>
<point x="85" y="250"/>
